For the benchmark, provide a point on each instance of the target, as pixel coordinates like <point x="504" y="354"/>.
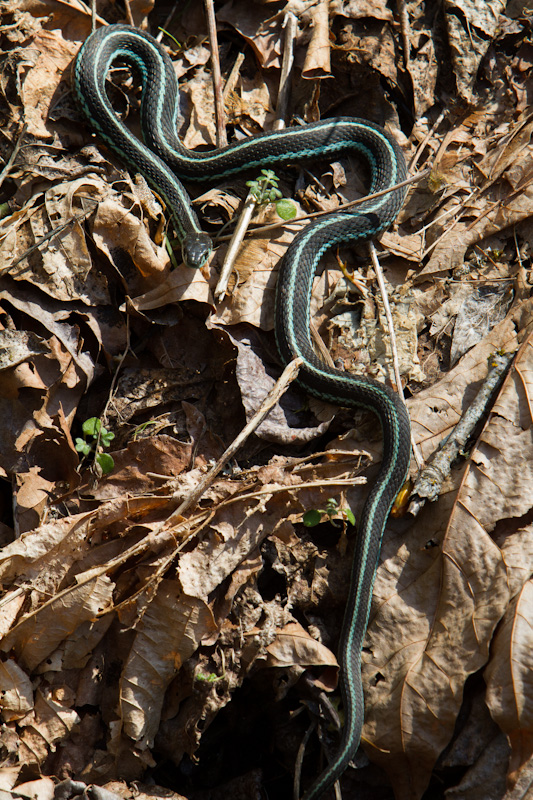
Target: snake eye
<point x="196" y="249"/>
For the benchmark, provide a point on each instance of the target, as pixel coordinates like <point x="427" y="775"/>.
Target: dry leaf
<point x="167" y="635"/>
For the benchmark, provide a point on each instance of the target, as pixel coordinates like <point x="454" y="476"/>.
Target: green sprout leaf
<point x="349" y="516"/>
<point x="82" y="446"/>
<point x="106" y="462"/>
<point x="312" y="518"/>
<point x="106" y="437"/>
<point x="286" y="209"/>
<point x="265" y="189"/>
<point x="91" y="426"/>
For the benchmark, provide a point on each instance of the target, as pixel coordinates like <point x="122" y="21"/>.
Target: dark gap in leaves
<point x="249" y="734"/>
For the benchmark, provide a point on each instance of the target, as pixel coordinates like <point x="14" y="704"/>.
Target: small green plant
<point x="265" y="190"/>
<point x="210" y="678"/>
<point x="101" y="437"/>
<point x="333" y="513"/>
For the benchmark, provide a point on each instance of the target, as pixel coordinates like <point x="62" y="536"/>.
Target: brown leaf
<point x="293" y="646"/>
<point x="16" y="692"/>
<point x="182" y="284"/>
<point x="52" y="720"/>
<point x="40" y="85"/>
<point x="263" y="35"/>
<point x="39" y="632"/>
<point x="167" y="635"/>
<point x="509" y="678"/>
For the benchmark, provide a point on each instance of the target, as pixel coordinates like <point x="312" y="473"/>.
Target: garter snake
<point x="164" y="162"/>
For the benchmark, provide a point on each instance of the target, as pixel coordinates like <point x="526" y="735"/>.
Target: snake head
<point x="196" y="249"/>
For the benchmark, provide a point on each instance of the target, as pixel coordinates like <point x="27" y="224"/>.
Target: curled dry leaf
<point x="293" y="646"/>
<point x="286" y="422"/>
<point x="263" y="35"/>
<point x="40" y="789"/>
<point x="317" y="61"/>
<point x="181" y="284"/>
<point x="116" y="227"/>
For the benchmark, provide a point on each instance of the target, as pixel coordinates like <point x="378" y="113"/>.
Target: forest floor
<point x="155" y="640"/>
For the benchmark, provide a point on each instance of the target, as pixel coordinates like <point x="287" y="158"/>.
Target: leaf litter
<point x="124" y="642"/>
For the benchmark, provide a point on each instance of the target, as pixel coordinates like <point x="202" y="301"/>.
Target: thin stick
<point x="289" y="374"/>
<point x="220" y="116"/>
<point x="290" y="24"/>
<point x="406" y="30"/>
<point x="427" y="137"/>
<point x="12" y="157"/>
<point x="117" y="373"/>
<point x="250" y="205"/>
<point x="392" y="335"/>
<point x="388" y="316"/>
<point x="233" y="76"/>
<point x="129" y="15"/>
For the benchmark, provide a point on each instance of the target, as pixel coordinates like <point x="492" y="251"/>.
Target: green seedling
<point x="265" y="190"/>
<point x="332" y="512"/>
<point x="93" y="429"/>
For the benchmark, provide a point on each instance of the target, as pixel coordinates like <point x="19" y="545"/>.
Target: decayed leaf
<point x="355" y="9"/>
<point x="47" y="553"/>
<point x="54" y="55"/>
<point x="470" y="28"/>
<point x="201" y="130"/>
<point x="437" y="608"/>
<point x="18" y="346"/>
<point x="479" y="313"/>
<point x="140" y="467"/>
<point x="486" y="210"/>
<point x="437" y="410"/>
<point x="244" y="534"/>
<point x="167" y="635"/>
